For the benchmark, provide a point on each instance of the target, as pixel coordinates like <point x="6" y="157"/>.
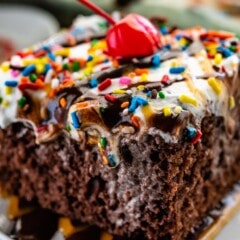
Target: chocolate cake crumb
<point x="158" y="186"/>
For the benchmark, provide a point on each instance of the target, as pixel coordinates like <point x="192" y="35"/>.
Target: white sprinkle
<point x="16" y="61"/>
<point x="65" y="61"/>
<point x="179" y="77"/>
<point x="55" y="83"/>
<point x="201" y="58"/>
<point x="227" y="44"/>
<point x="229" y="73"/>
<point x="125" y="111"/>
<point x="59" y="59"/>
<point x="129" y="92"/>
<point x="49" y="75"/>
<point x="75" y="76"/>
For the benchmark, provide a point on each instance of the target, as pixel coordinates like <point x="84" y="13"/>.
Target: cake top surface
<point x="71" y="84"/>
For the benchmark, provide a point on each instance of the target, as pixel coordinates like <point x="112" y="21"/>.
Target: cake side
<point x="164" y="189"/>
<point x="135" y="146"/>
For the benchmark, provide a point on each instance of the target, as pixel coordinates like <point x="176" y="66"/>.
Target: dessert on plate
<point x="133" y="127"/>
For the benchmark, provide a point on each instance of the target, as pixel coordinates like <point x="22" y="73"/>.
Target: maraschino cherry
<point x="133" y="36"/>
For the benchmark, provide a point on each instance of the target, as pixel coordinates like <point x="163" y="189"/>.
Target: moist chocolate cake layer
<point x="159" y="191"/>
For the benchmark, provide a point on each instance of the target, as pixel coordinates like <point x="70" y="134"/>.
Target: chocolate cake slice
<point x="142" y="146"/>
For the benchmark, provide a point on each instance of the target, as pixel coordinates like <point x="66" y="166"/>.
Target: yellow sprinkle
<point x="88" y="71"/>
<point x="62" y="52"/>
<point x="167" y="111"/>
<point x="5" y="103"/>
<point x="13" y="210"/>
<point x="90" y="64"/>
<point x="147" y="111"/>
<point x="213" y="51"/>
<point x="212" y="46"/>
<point x="5" y="67"/>
<point x="132" y="74"/>
<point x="140" y="87"/>
<point x="101" y="45"/>
<point x="177" y="110"/>
<point x="119" y="91"/>
<point x="106" y="236"/>
<point x="105" y="160"/>
<point x="44" y="60"/>
<point x="218" y="58"/>
<point x="67" y="228"/>
<point x="215" y="85"/>
<point x="40" y="68"/>
<point x="232" y="103"/>
<point x="8" y="90"/>
<point x="144" y="77"/>
<point x="27" y="62"/>
<point x="183" y="42"/>
<point x="187" y="99"/>
<point x="173" y="63"/>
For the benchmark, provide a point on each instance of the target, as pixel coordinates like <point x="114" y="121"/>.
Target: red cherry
<point x="133" y="36"/>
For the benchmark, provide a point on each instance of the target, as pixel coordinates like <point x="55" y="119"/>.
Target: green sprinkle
<point x="161" y="94"/>
<point x="232" y="48"/>
<point x="102" y="110"/>
<point x="1" y="99"/>
<point x="102" y="25"/>
<point x="65" y="66"/>
<point x="22" y="101"/>
<point x="94" y="42"/>
<point x="33" y="77"/>
<point x="68" y="128"/>
<point x="75" y="66"/>
<point x="103" y="142"/>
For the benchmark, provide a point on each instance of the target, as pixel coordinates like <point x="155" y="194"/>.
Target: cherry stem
<point x="98" y="10"/>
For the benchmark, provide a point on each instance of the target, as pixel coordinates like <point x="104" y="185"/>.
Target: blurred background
<point x="25" y="22"/>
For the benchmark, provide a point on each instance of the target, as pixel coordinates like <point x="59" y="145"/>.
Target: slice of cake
<point x="141" y="146"/>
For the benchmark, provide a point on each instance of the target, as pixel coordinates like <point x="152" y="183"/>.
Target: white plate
<point x="232" y="230"/>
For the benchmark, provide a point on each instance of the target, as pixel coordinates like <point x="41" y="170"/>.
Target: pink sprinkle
<point x="125" y="80"/>
<point x="14" y="73"/>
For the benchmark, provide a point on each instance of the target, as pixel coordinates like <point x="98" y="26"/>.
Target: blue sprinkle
<point x="178" y="37"/>
<point x="156" y="60"/>
<point x="184" y="48"/>
<point x="133" y="106"/>
<point x="75" y="120"/>
<point x="46" y="48"/>
<point x="93" y="83"/>
<point x="52" y="56"/>
<point x="28" y="70"/>
<point x="224" y="51"/>
<point x="142" y="101"/>
<point x="149" y="93"/>
<point x="164" y="30"/>
<point x="106" y="60"/>
<point x="77" y="31"/>
<point x="47" y="68"/>
<point x="191" y="132"/>
<point x="90" y="58"/>
<point x="136" y="102"/>
<point x="177" y="70"/>
<point x="111" y="159"/>
<point x="11" y="83"/>
<point x="167" y="46"/>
